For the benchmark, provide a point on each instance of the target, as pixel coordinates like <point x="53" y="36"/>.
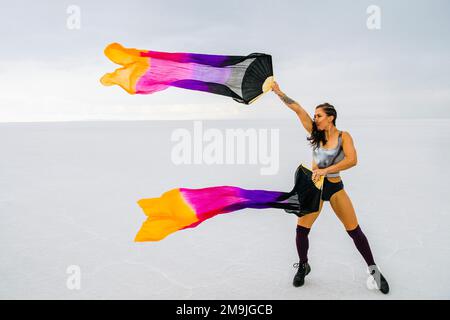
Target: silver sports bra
<point x="327" y="157"/>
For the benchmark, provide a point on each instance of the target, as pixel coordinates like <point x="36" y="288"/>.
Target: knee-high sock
<point x="302" y="243"/>
<point x="362" y="244"/>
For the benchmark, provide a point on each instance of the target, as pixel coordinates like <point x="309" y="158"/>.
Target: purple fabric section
<point x="261" y="196"/>
<point x="208" y="202"/>
<point x="208" y="59"/>
<point x="191" y="85"/>
<point x="362" y="245"/>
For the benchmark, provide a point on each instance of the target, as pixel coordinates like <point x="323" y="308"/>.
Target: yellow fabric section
<point x="166" y="214"/>
<point x="134" y="67"/>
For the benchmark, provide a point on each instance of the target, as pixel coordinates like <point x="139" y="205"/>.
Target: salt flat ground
<point x="68" y="195"/>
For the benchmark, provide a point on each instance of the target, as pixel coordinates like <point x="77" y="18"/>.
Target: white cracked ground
<point x="68" y="195"/>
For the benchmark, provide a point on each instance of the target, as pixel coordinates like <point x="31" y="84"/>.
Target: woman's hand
<point x="317" y="173"/>
<point x="276" y="88"/>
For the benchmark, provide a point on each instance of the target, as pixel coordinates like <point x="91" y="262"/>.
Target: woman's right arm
<point x="305" y="119"/>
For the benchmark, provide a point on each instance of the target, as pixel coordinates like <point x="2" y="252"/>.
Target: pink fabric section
<point x="208" y="202"/>
<point x="162" y="73"/>
<point x="176" y="56"/>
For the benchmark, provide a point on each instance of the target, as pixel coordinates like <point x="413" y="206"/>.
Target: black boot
<point x="303" y="270"/>
<point x="380" y="280"/>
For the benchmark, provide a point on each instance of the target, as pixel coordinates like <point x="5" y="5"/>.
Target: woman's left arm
<point x="350" y="158"/>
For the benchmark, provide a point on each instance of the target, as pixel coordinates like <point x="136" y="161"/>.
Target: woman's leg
<point x="342" y="206"/>
<point x="307" y="220"/>
<point x="304" y="225"/>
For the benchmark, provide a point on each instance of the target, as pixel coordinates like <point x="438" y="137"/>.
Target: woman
<point x="333" y="151"/>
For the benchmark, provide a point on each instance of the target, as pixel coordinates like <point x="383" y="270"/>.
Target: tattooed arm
<point x="294" y="106"/>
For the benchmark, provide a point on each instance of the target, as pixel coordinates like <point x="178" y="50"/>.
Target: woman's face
<point x="322" y="120"/>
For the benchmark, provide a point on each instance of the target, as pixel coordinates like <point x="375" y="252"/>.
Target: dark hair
<point x="318" y="136"/>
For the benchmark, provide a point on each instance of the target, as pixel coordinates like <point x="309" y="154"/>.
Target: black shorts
<point x="330" y="188"/>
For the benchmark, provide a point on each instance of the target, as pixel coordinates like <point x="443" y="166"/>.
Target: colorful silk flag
<point x="243" y="78"/>
<point x="183" y="208"/>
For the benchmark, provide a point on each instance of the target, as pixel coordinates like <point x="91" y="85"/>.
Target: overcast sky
<point x="322" y="51"/>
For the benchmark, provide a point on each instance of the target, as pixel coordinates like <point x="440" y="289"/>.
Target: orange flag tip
<point x="106" y="80"/>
